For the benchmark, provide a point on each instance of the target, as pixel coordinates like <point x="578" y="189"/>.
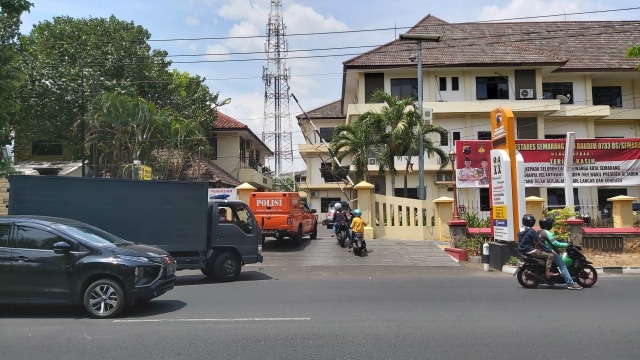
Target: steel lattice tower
<point x="277" y="122"/>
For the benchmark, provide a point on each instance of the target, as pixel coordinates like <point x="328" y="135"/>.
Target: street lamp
<point x="224" y="102"/>
<point x="452" y="160"/>
<point x="419" y="38"/>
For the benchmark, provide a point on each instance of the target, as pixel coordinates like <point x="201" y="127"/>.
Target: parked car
<point x="329" y="217"/>
<point x="55" y="260"/>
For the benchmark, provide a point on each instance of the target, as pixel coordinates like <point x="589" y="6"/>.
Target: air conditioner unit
<point x="372" y="161"/>
<point x="314" y="193"/>
<point x="526" y="93"/>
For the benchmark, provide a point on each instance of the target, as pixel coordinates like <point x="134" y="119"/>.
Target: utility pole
<point x="277" y="121"/>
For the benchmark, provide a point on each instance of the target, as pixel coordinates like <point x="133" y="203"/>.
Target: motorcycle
<point x="359" y="245"/>
<point x="341" y="234"/>
<point x="531" y="271"/>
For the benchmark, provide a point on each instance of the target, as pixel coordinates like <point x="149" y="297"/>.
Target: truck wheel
<point x="208" y="270"/>
<point x="314" y="233"/>
<point x="227" y="267"/>
<point x="297" y="238"/>
<point x="104" y="299"/>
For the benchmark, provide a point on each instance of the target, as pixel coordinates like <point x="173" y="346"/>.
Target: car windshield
<point x="94" y="235"/>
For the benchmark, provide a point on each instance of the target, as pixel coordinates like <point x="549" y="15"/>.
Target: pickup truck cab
<point x="283" y="215"/>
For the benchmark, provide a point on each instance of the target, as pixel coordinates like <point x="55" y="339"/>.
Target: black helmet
<point x="546" y="223"/>
<point x="528" y="220"/>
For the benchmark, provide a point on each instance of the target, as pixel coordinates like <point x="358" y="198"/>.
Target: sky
<point x="224" y="40"/>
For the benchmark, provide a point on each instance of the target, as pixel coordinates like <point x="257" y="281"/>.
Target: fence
<point x="402" y="218"/>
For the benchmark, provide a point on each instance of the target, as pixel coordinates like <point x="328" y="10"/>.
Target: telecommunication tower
<point x="277" y="121"/>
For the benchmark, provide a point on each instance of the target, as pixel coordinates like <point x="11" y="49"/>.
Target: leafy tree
<point x="10" y="74"/>
<point x="69" y="62"/>
<point x="634" y="52"/>
<point x="411" y="146"/>
<point x="124" y="129"/>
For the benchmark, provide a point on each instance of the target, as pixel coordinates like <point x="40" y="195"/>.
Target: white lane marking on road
<point x="213" y="320"/>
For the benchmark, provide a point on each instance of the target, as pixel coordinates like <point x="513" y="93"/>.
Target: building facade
<point x="556" y="77"/>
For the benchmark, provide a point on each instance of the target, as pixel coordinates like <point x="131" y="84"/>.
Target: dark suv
<point x="55" y="260"/>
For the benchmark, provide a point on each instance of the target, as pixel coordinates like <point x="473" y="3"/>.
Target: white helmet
<point x="337" y="206"/>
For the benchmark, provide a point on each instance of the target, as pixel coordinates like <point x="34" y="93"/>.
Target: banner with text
<point x="596" y="162"/>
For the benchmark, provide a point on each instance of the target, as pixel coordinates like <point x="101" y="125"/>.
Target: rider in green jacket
<point x="550" y="241"/>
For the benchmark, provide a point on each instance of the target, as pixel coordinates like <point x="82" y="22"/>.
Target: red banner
<point x="596" y="162"/>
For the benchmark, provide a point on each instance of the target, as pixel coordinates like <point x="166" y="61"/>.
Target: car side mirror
<point x="61" y="248"/>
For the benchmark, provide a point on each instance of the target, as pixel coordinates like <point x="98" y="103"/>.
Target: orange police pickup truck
<point x="283" y="215"/>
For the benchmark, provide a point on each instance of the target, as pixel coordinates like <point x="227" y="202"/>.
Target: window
<point x="484" y="135"/>
<point x="442" y="83"/>
<point x="556" y="198"/>
<point x="372" y="82"/>
<point x="46" y="147"/>
<point x="551" y="90"/>
<point x="455" y="135"/>
<point x="329" y="175"/>
<point x="30" y="238"/>
<point x="607" y="95"/>
<point x="404" y="88"/>
<point x="485" y="203"/>
<point x="243" y="152"/>
<point x="555" y="136"/>
<point x="213" y="142"/>
<point x="4" y="235"/>
<point x="412" y="193"/>
<point x="492" y="87"/>
<point x="327" y="134"/>
<point x="455" y="83"/>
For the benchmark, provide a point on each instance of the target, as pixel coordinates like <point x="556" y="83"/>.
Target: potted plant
<point x="510" y="265"/>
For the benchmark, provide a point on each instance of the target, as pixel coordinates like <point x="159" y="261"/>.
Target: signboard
<point x="144" y="172"/>
<point x="596" y="162"/>
<point x="501" y="198"/>
<point x="232" y="192"/>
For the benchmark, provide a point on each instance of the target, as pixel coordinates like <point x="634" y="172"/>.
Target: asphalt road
<point x="291" y="307"/>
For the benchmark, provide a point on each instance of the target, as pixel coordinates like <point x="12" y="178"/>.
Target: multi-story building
<point x="241" y="153"/>
<point x="556" y="77"/>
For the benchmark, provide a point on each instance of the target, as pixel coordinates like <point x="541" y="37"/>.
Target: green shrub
<point x="512" y="261"/>
<point x="472" y="245"/>
<point x="560" y="228"/>
<point x="474" y="221"/>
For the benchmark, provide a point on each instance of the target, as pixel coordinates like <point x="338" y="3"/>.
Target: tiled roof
<point x="331" y="110"/>
<point x="571" y="46"/>
<point x="201" y="170"/>
<point x="227" y="122"/>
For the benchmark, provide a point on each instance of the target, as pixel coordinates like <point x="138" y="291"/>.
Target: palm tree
<point x="411" y="146"/>
<point x="355" y="140"/>
<point x="391" y="128"/>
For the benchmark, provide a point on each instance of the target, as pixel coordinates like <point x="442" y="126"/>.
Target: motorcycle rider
<point x="338" y="216"/>
<point x="529" y="242"/>
<point x="357" y="226"/>
<point x="547" y="237"/>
